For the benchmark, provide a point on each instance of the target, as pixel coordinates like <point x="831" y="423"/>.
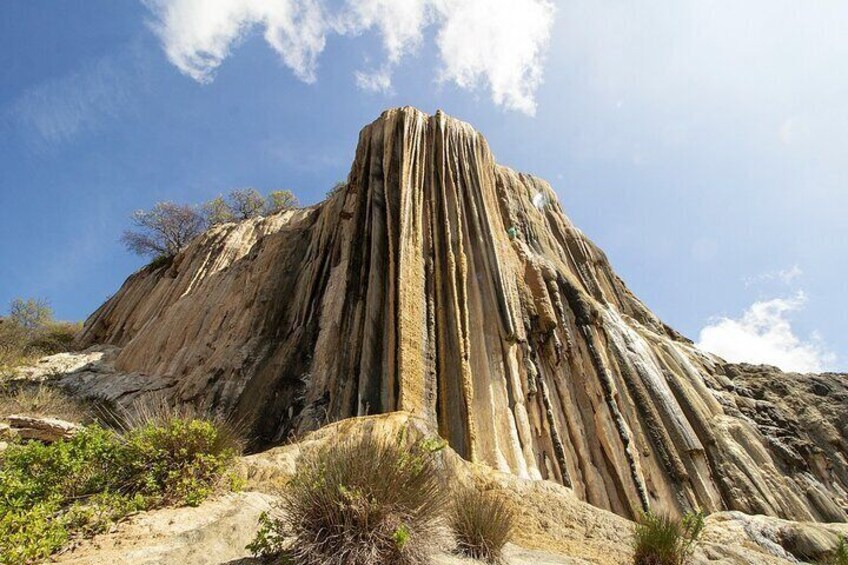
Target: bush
<point x="246" y="203"/>
<point x="270" y="539"/>
<point x="482" y="523"/>
<point x="53" y="494"/>
<point x="30" y="332"/>
<point x="840" y="554"/>
<point x="13" y="346"/>
<point x="178" y="461"/>
<point x="160" y="262"/>
<point x="55" y="337"/>
<point x="663" y="540"/>
<point x="365" y="502"/>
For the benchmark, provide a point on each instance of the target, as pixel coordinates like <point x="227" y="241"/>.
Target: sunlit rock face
<point x="441" y="283"/>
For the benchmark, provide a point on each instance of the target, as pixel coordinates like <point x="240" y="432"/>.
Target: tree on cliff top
<point x="279" y="200"/>
<point x="246" y="203"/>
<point x="163" y="230"/>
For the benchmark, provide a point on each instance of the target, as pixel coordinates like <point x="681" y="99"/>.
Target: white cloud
<point x="764" y="334"/>
<point x="400" y="22"/>
<point x="197" y="35"/>
<point x="499" y="44"/>
<point x="376" y="81"/>
<point x="785" y="276"/>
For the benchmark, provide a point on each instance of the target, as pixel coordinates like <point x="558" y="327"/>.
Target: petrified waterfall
<point x="441" y="283"/>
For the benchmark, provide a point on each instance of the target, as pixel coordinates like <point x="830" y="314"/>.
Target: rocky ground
<point x="555" y="527"/>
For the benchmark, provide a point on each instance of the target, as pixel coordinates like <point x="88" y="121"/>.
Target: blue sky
<point x="703" y="145"/>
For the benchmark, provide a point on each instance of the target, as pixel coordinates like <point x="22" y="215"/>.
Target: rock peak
<point x="443" y="284"/>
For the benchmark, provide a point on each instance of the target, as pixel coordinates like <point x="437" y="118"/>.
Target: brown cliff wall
<point x="443" y="284"/>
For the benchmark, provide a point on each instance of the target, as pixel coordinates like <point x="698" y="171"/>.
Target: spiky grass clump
<point x="482" y="523"/>
<point x="368" y="501"/>
<point x="663" y="540"/>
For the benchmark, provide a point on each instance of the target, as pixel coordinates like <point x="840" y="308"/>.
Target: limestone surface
<point x="441" y="283"/>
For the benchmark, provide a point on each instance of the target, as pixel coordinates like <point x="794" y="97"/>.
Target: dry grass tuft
<point x="43" y="401"/>
<point x="482" y="523"/>
<point x="367" y="501"/>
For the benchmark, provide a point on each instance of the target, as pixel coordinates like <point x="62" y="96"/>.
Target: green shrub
<point x="270" y="539"/>
<point x="482" y="523"/>
<point x="663" y="540"/>
<point x="159" y="262"/>
<point x="840" y="554"/>
<point x="53" y="493"/>
<point x="179" y="460"/>
<point x="366" y="501"/>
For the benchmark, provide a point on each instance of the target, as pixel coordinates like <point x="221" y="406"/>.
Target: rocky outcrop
<point x="41" y="429"/>
<point x="443" y="284"/>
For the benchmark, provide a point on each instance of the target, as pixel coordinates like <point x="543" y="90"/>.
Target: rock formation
<point x="440" y="283"/>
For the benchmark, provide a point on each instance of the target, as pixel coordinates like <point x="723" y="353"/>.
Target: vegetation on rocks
<point x="165" y="229"/>
<point x="663" y="540"/>
<point x="482" y="523"/>
<point x="367" y="501"/>
<point x="29" y="331"/>
<point x="840" y="554"/>
<point x="51" y="494"/>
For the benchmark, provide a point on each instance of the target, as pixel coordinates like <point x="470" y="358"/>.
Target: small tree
<point x="29" y="331"/>
<point x="163" y="230"/>
<point x="218" y="211"/>
<point x="30" y="315"/>
<point x="279" y="200"/>
<point x="246" y="203"/>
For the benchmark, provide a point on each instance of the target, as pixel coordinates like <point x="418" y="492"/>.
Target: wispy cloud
<point x="375" y="81"/>
<point x="785" y="276"/>
<point x="764" y="334"/>
<point x="496" y="44"/>
<point x="60" y="109"/>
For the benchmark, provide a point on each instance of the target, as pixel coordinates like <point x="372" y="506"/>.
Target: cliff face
<point x="440" y="283"/>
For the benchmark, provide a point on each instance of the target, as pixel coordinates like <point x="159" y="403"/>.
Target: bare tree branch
<point x="163" y="230"/>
